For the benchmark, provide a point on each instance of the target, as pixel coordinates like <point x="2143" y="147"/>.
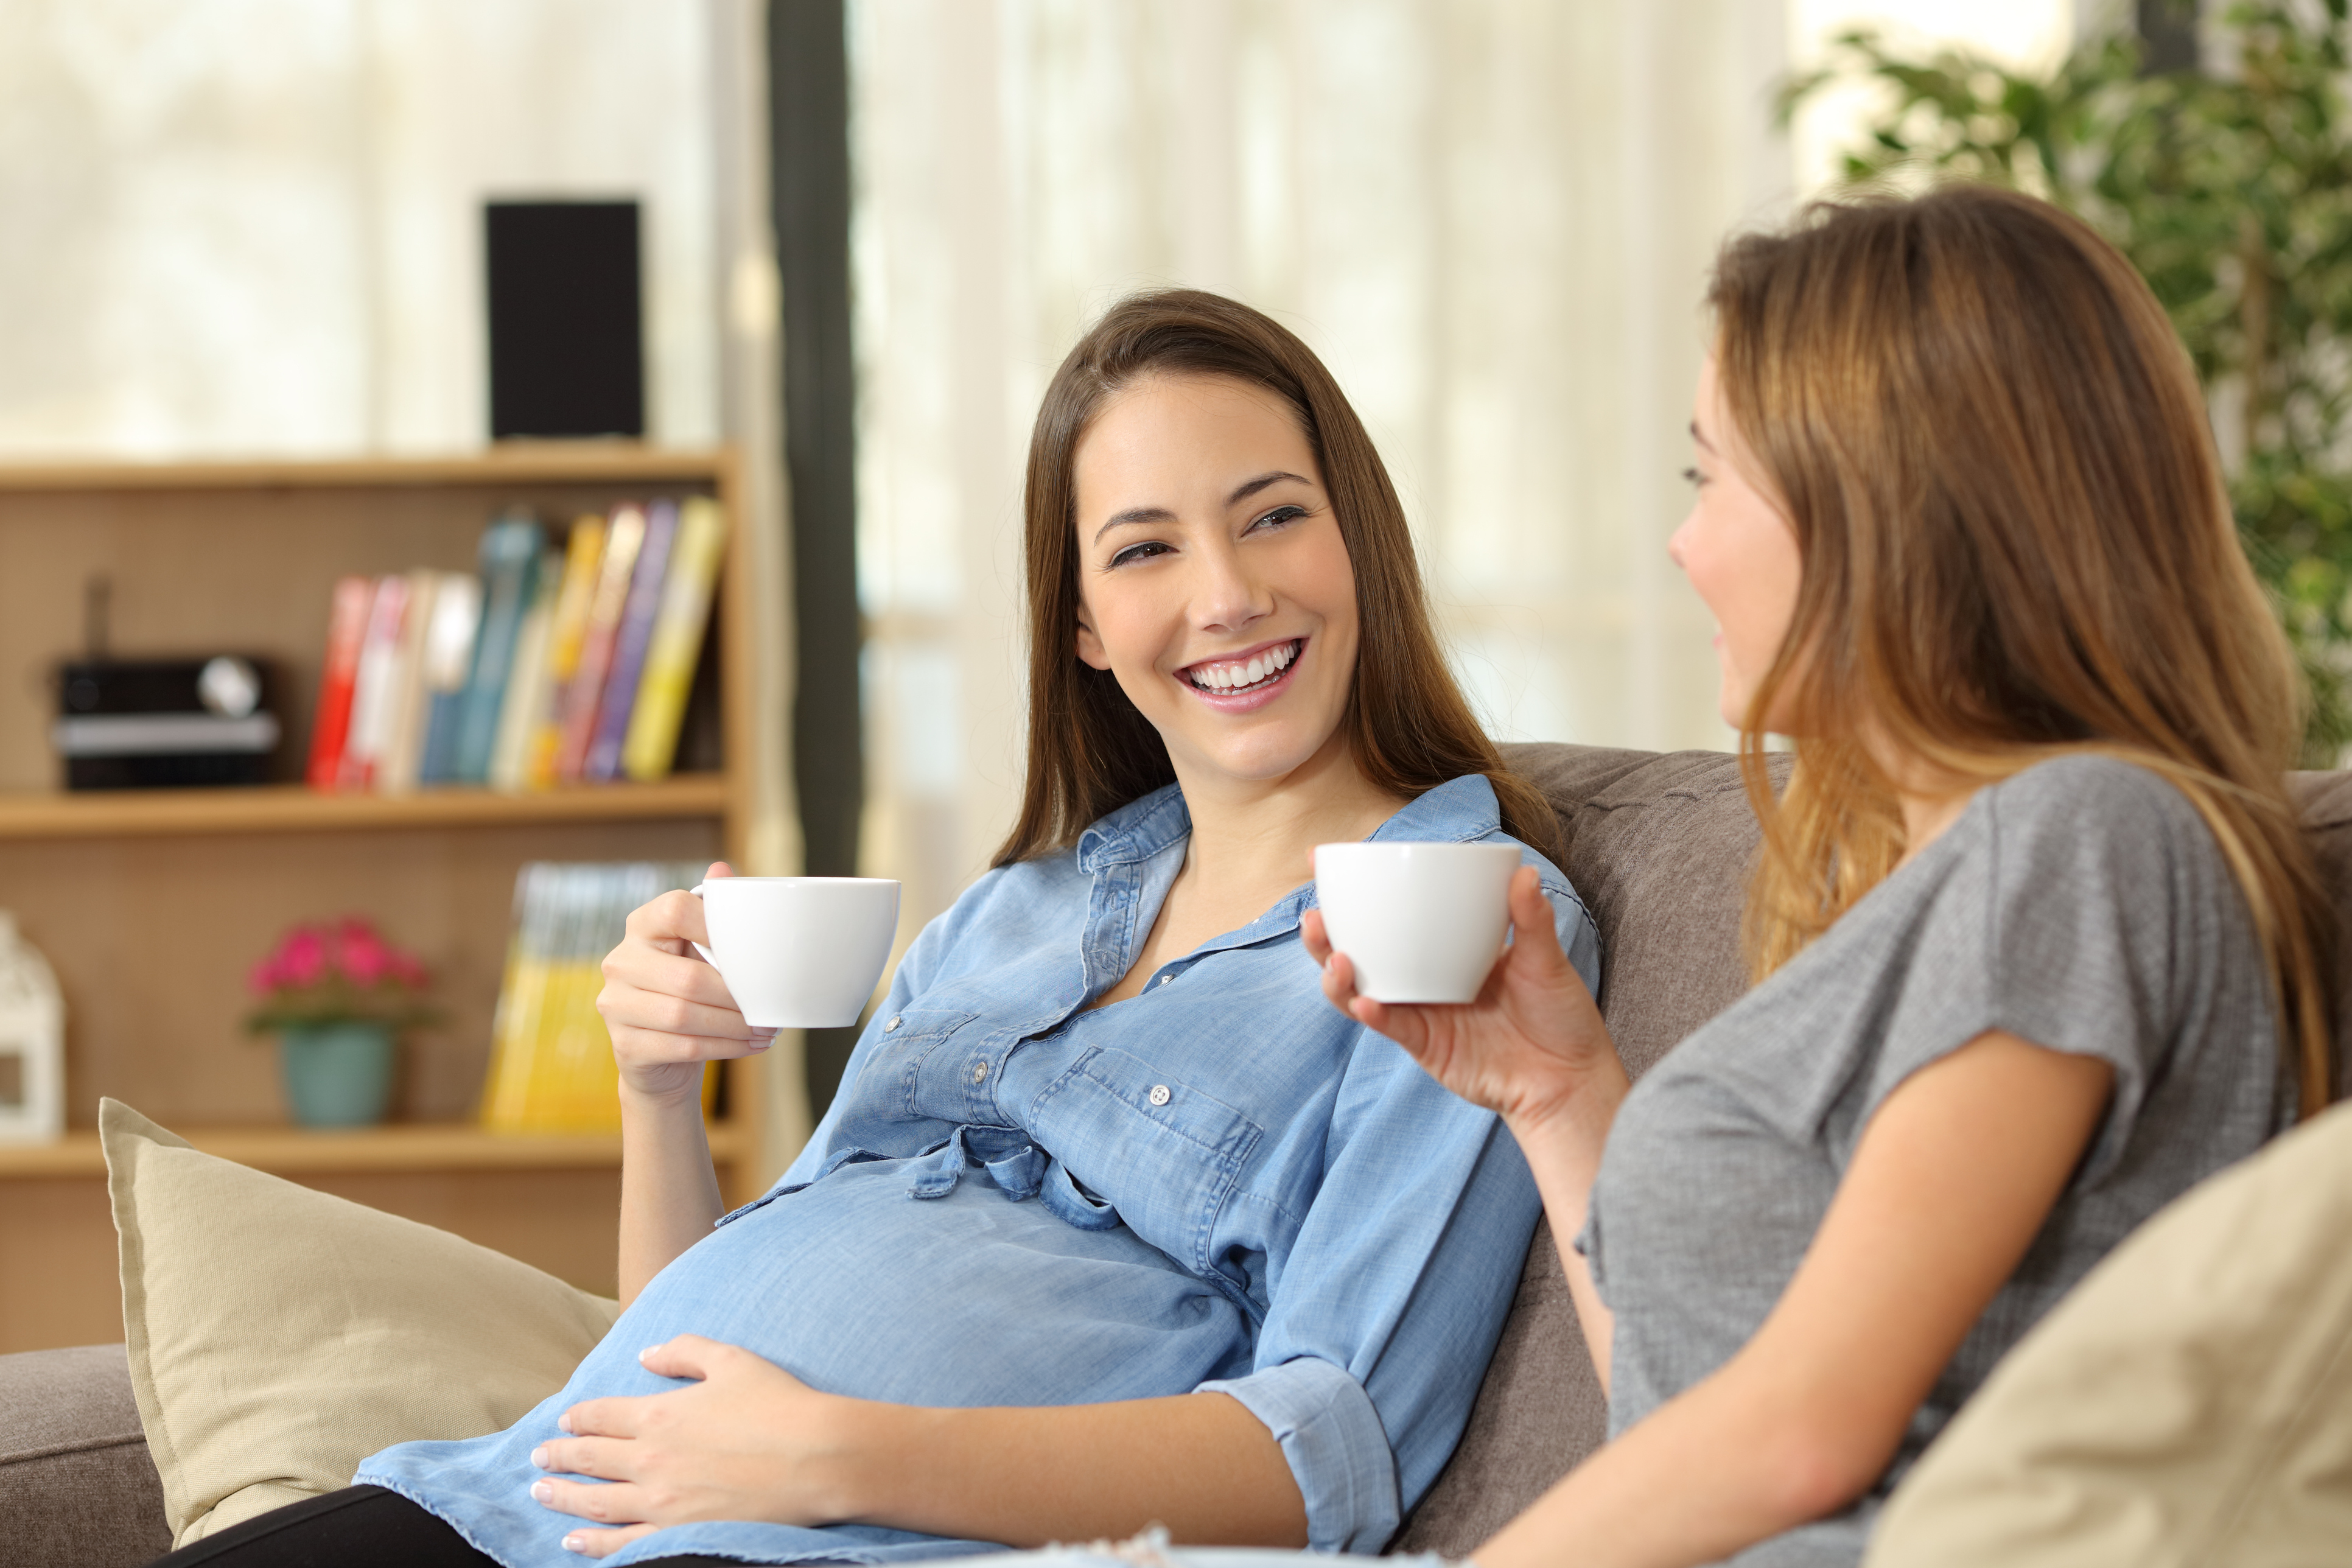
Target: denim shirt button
<point x="978" y="1072"/>
<point x="1166" y="978"/>
<point x="1158" y="1094"/>
<point x="892" y="1024"/>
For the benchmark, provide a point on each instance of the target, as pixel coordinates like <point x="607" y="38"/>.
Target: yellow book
<point x="670" y="657"/>
<point x="584" y="559"/>
<point x="551" y="1068"/>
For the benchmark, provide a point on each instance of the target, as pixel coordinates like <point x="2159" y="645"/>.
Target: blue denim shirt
<point x="1219" y="1184"/>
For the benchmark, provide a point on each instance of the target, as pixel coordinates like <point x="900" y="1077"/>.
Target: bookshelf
<point x="151" y="904"/>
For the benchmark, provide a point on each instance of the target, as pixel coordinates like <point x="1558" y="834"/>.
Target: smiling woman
<point x="1113" y="1221"/>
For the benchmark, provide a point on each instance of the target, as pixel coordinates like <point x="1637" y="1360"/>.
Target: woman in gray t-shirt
<point x="1961" y="525"/>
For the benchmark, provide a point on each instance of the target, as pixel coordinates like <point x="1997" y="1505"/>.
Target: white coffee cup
<point x="1421" y="922"/>
<point x="799" y="952"/>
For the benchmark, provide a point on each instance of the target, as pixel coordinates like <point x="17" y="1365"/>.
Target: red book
<point x="346" y="630"/>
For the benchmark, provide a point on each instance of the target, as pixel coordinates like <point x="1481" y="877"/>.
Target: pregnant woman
<point x="1113" y="1219"/>
<point x="2034" y="925"/>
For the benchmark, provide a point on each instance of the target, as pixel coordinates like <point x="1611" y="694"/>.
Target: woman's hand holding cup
<point x="1530" y="1046"/>
<point x="668" y="1010"/>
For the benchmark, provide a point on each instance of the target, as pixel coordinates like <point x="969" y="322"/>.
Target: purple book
<point x="604" y="761"/>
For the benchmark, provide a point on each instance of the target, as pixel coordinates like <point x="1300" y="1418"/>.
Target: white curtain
<point x="252" y="226"/>
<point x="1492" y="217"/>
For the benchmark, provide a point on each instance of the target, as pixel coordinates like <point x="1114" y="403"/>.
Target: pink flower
<point x="301" y="958"/>
<point x="361" y="953"/>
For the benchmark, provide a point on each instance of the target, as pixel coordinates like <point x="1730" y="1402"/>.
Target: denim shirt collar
<point x="1156" y="826"/>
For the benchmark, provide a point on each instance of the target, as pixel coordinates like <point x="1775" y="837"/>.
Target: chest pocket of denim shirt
<point x="1163" y="1154"/>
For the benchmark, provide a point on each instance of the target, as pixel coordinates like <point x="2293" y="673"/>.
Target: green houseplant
<point x="2230" y="189"/>
<point x="337" y="996"/>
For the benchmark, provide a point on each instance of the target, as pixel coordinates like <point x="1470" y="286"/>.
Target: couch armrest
<point x="76" y="1487"/>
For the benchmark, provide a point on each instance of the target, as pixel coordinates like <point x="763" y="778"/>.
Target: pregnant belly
<point x="965" y="1299"/>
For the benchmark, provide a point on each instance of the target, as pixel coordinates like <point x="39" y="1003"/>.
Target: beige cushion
<point x="2190" y="1403"/>
<point x="278" y="1336"/>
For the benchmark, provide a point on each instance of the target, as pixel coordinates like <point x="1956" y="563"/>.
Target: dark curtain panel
<point x="808" y="110"/>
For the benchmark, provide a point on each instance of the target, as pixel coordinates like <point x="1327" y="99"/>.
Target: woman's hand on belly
<point x="746" y="1440"/>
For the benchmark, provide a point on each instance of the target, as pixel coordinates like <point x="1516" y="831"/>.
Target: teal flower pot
<point x="336" y="1075"/>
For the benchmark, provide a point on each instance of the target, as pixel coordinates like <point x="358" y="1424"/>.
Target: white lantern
<point x="32" y="1042"/>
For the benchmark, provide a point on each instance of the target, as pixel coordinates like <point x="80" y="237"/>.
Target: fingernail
<point x="644" y="1353"/>
<point x="542" y="1491"/>
<point x="564" y="1421"/>
<point x="538" y="1458"/>
<point x="575" y="1542"/>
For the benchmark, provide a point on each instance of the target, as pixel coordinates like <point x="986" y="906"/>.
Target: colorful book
<point x="347" y="625"/>
<point x="450" y="637"/>
<point x="527" y="684"/>
<point x="652" y="744"/>
<point x="583" y="563"/>
<point x="397" y="765"/>
<point x="372" y="689"/>
<point x="624" y="537"/>
<point x="510" y="561"/>
<point x="551" y="1065"/>
<point x="603" y="764"/>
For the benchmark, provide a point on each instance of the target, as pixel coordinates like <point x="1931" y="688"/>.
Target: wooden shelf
<point x="295" y="809"/>
<point x="293" y="1151"/>
<point x="534" y="462"/>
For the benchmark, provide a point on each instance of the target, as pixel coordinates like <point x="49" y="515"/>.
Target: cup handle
<point x="696" y="891"/>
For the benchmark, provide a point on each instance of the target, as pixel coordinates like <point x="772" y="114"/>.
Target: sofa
<point x="1658" y="845"/>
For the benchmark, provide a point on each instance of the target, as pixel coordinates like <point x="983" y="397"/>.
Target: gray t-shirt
<point x="2081" y="905"/>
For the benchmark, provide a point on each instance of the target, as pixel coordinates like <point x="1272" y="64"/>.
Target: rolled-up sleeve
<point x="1337" y="1448"/>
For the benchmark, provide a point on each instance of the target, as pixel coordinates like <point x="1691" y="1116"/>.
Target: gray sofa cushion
<point x="1659" y="848"/>
<point x="76" y="1487"/>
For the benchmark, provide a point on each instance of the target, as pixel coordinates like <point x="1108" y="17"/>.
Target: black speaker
<point x="567" y="333"/>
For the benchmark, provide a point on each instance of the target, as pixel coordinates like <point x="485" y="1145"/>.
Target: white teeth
<point x="1248" y="672"/>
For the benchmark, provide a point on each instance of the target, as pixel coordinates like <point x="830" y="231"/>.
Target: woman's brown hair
<point x="1090" y="751"/>
<point x="1995" y="456"/>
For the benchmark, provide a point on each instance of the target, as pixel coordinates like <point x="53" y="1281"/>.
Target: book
<point x="451" y="632"/>
<point x="602" y="763"/>
<point x="624" y="536"/>
<point x="583" y="563"/>
<point x="372" y="685"/>
<point x="508" y="564"/>
<point x="676" y="646"/>
<point x="403" y="743"/>
<point x="347" y="624"/>
<point x="551" y="1068"/>
<point x="527" y="684"/>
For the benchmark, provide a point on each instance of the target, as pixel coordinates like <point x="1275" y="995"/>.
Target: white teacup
<point x="799" y="952"/>
<point x="1421" y="922"/>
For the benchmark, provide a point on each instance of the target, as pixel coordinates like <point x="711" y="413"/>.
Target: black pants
<point x="358" y="1527"/>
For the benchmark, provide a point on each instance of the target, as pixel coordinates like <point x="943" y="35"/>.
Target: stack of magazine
<point x="548" y="666"/>
<point x="551" y="1060"/>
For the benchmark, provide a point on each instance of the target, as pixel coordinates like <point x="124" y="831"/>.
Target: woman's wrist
<point x="1572" y="1126"/>
<point x="662" y="1102"/>
<point x="875" y="1450"/>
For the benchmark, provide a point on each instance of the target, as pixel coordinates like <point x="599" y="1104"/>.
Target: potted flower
<point x="337" y="996"/>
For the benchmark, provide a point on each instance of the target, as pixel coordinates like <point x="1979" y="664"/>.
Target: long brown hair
<point x="1090" y="751"/>
<point x="1995" y="456"/>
